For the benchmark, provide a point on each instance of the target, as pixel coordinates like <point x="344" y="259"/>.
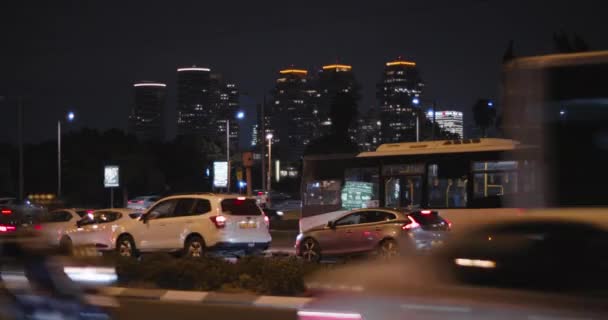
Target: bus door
<point x="403" y="191"/>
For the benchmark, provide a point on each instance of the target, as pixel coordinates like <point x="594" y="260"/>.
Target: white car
<point x="192" y="224"/>
<point x="142" y="203"/>
<point x="57" y="222"/>
<point x="100" y="228"/>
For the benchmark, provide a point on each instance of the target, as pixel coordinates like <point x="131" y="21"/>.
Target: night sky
<point x="85" y="55"/>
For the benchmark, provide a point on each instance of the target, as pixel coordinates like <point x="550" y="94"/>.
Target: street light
<point x="70" y="117"/>
<point x="239" y="116"/>
<point x="416" y="102"/>
<point x="269" y="138"/>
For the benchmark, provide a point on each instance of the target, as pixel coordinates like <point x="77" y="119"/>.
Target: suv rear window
<point x="241" y="207"/>
<point x="427" y="219"/>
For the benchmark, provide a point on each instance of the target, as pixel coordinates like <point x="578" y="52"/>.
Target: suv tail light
<point x="219" y="221"/>
<point x="6" y="212"/>
<point x="7" y="228"/>
<point x="449" y="223"/>
<point x="266" y="221"/>
<point x="412" y="225"/>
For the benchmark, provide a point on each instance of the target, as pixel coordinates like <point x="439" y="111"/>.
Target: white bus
<point x="556" y="112"/>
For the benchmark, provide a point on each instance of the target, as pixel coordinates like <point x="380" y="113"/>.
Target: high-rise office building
<point x="331" y="80"/>
<point x="450" y="121"/>
<point x="366" y="131"/>
<point x="291" y="114"/>
<point x="400" y="85"/>
<point x="194" y="101"/>
<point x="146" y="119"/>
<point x="205" y="101"/>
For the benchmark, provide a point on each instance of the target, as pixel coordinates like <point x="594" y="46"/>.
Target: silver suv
<point x="387" y="232"/>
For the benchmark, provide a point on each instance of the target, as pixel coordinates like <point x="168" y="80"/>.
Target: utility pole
<point x="59" y="159"/>
<point x="20" y="141"/>
<point x="228" y="154"/>
<point x="262" y="139"/>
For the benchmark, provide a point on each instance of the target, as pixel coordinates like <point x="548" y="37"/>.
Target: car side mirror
<point x="331" y="224"/>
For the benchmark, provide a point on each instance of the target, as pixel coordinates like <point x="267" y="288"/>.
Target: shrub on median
<point x="275" y="275"/>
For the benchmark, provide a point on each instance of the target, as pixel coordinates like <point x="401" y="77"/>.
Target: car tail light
<point x="140" y="202"/>
<point x="7" y="212"/>
<point x="37" y="227"/>
<point x="219" y="221"/>
<point x="266" y="220"/>
<point x="318" y="315"/>
<point x="412" y="225"/>
<point x="7" y="228"/>
<point x="449" y="223"/>
<point x="130" y="201"/>
<point x="260" y="193"/>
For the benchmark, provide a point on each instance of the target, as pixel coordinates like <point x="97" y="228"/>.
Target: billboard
<point x="111" y="177"/>
<point x="220" y="174"/>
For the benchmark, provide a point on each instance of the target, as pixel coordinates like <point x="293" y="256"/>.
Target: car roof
<point x="119" y="210"/>
<point x="207" y="195"/>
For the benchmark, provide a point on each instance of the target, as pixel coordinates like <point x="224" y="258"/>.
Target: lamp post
<point x="269" y="138"/>
<point x="416" y="102"/>
<point x="70" y="117"/>
<point x="239" y="116"/>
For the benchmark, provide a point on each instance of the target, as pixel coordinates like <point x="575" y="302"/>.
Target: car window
<point x="184" y="207"/>
<point x="202" y="206"/>
<point x="162" y="210"/>
<point x="59" y="216"/>
<point x="106" y="216"/>
<point x="353" y="218"/>
<point x="154" y="199"/>
<point x="241" y="207"/>
<point x="81" y="213"/>
<point x="377" y="216"/>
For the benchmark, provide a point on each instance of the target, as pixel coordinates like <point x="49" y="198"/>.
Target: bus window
<point x="494" y="180"/>
<point x="447" y="191"/>
<point x="360" y="188"/>
<point x="326" y="192"/>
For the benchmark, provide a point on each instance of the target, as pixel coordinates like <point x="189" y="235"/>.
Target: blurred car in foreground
<point x="35" y="285"/>
<point x="387" y="232"/>
<point x="517" y="270"/>
<point x="142" y="203"/>
<point x="100" y="228"/>
<point x="537" y="254"/>
<point x="57" y="222"/>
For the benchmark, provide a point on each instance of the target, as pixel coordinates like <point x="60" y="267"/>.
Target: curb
<point x="208" y="297"/>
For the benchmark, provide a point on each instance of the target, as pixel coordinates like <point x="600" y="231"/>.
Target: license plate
<point x="247" y="225"/>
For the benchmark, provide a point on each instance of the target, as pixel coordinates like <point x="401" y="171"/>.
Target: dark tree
<point x="484" y="115"/>
<point x="342" y="113"/>
<point x="563" y="43"/>
<point x="509" y="52"/>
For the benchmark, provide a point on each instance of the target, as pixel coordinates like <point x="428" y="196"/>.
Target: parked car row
<point x="186" y="224"/>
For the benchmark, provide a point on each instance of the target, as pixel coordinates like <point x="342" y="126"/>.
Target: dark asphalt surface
<point x="138" y="309"/>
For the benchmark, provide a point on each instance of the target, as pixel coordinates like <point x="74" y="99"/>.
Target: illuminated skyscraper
<point x="333" y="79"/>
<point x="400" y="85"/>
<point x="194" y="101"/>
<point x="291" y="115"/>
<point x="146" y="119"/>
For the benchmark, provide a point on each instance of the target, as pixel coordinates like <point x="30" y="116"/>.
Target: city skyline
<point x="90" y="66"/>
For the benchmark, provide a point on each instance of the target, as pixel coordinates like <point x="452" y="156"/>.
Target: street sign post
<point x="111" y="179"/>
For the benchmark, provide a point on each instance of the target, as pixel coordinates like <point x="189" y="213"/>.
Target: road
<point x="133" y="309"/>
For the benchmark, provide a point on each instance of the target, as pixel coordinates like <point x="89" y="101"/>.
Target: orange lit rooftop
<point x="337" y="66"/>
<point x="401" y="63"/>
<point x="299" y="71"/>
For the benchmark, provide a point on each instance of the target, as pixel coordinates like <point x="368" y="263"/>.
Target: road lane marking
<point x="285" y="302"/>
<point x="184" y="296"/>
<point x="430" y="307"/>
